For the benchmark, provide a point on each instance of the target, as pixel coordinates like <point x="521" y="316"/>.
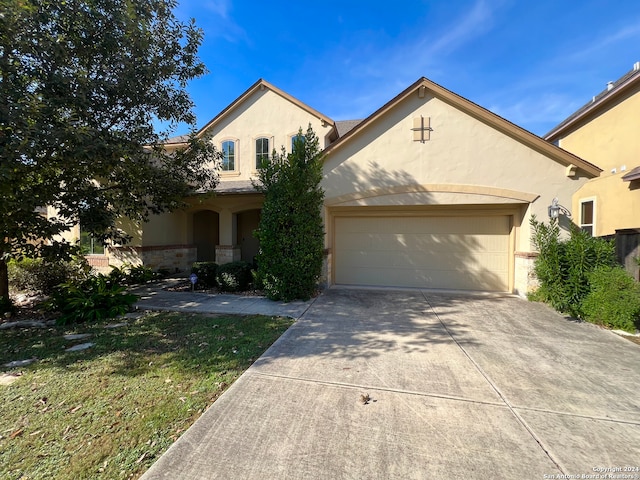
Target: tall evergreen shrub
<point x="291" y="233"/>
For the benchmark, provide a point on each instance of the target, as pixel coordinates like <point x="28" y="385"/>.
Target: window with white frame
<point x="229" y="155"/>
<point x="262" y="150"/>
<point x="588" y="216"/>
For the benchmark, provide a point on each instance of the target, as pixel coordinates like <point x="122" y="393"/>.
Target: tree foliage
<point x="84" y="85"/>
<point x="291" y="233"/>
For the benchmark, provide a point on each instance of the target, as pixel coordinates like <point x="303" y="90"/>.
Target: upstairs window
<point x="294" y="139"/>
<point x="262" y="150"/>
<point x="587" y="216"/>
<point x="229" y="155"/>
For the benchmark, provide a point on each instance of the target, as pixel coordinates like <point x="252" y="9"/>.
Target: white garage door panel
<point x="470" y="253"/>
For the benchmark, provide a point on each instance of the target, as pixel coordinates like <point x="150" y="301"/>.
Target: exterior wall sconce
<point x="555" y="209"/>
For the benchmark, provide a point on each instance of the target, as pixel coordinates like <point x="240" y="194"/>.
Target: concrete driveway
<point x="460" y="387"/>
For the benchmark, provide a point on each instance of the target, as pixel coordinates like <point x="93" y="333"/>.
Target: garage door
<point x="467" y="253"/>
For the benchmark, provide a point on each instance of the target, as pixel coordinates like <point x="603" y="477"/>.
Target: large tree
<point x="84" y="87"/>
<point x="291" y="233"/>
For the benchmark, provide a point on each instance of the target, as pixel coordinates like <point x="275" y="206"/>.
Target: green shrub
<point x="563" y="266"/>
<point x="42" y="276"/>
<point x="257" y="279"/>
<point x="163" y="273"/>
<point x="234" y="277"/>
<point x="582" y="255"/>
<point x="206" y="273"/>
<point x="94" y="299"/>
<point x="128" y="274"/>
<point x="548" y="270"/>
<point x="614" y="299"/>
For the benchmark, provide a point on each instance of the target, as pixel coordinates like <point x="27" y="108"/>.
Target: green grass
<point x="112" y="410"/>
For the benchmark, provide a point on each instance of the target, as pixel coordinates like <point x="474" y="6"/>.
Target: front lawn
<point x="111" y="410"/>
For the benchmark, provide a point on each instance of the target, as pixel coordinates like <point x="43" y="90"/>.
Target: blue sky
<point x="532" y="62"/>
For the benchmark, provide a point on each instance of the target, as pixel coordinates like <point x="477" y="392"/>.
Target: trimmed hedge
<point x="206" y="272"/>
<point x="234" y="276"/>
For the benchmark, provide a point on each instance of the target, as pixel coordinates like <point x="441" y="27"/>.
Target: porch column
<point x="228" y="250"/>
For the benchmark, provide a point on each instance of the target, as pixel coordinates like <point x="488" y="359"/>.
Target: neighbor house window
<point x="587" y="216"/>
<point x="294" y="139"/>
<point x="89" y="245"/>
<point x="229" y="155"/>
<point x="262" y="150"/>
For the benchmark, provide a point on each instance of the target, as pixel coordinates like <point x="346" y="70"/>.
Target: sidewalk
<point x="153" y="296"/>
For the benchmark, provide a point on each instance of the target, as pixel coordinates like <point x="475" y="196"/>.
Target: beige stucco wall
<point x="611" y="140"/>
<point x="166" y="229"/>
<point x="263" y="114"/>
<point x="465" y="161"/>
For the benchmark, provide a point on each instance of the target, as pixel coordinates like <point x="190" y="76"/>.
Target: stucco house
<point x="431" y="191"/>
<point x="606" y="132"/>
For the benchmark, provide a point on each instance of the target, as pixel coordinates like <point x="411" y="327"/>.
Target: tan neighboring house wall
<point x="606" y="132"/>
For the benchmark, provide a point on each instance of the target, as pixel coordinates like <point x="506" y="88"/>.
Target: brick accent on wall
<point x="175" y="258"/>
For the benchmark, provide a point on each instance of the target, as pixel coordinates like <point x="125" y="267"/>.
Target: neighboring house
<point x="606" y="132"/>
<point x="429" y="191"/>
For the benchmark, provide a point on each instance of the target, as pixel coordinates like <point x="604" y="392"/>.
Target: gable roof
<point x="518" y="133"/>
<point x="598" y="103"/>
<point x="261" y="85"/>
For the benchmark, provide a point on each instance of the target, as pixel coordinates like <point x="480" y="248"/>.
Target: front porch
<point x="217" y="228"/>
